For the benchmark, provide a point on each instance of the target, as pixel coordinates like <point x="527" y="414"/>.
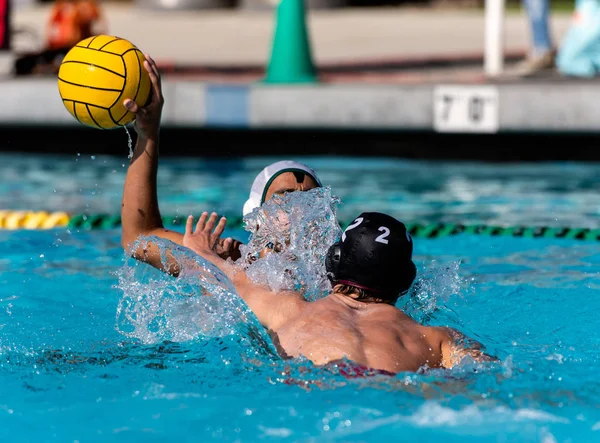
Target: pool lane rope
<point x="39" y="220"/>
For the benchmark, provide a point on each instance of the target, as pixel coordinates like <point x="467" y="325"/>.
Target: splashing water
<point x="129" y="143"/>
<point x="200" y="302"/>
<point x="435" y="284"/>
<point x="300" y="227"/>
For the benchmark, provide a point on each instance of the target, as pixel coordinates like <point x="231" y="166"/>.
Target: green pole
<point x="291" y="60"/>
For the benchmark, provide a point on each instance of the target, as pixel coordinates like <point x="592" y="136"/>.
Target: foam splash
<point x="432" y="414"/>
<point x="200" y="302"/>
<point x="300" y="227"/>
<point x="435" y="284"/>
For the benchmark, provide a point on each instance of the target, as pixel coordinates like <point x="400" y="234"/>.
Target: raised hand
<point x="147" y="117"/>
<point x="205" y="238"/>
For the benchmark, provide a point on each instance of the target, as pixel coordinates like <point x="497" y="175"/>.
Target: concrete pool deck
<point x="380" y="68"/>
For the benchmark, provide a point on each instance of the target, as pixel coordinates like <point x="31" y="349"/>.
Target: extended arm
<point x="139" y="209"/>
<point x="271" y="308"/>
<point x="140" y="215"/>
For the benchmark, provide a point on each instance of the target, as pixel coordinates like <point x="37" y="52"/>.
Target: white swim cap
<point x="264" y="179"/>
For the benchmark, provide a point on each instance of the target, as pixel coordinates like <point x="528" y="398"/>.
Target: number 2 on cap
<point x="353" y="225"/>
<point x="382" y="237"/>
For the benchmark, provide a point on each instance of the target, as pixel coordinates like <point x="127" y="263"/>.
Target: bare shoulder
<point x="271" y="308"/>
<point x="445" y="335"/>
<point x="452" y="335"/>
<point x="389" y="317"/>
<point x="294" y="299"/>
<point x="285" y="306"/>
<point x="399" y="316"/>
<point x="456" y="346"/>
<point x="441" y="333"/>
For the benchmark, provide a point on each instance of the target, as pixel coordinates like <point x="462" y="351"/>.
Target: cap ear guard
<point x="332" y="261"/>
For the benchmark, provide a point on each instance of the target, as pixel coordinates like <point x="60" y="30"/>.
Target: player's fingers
<point x="153" y="66"/>
<point x="130" y="105"/>
<point x="189" y="225"/>
<point x="154" y="79"/>
<point x="210" y="224"/>
<point x="220" y="227"/>
<point x="201" y="221"/>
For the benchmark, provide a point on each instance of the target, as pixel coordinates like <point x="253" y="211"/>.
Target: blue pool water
<point x="69" y="373"/>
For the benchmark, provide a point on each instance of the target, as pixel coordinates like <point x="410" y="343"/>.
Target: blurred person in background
<point x="70" y="21"/>
<point x="542" y="52"/>
<point x="4" y="25"/>
<point x="579" y="51"/>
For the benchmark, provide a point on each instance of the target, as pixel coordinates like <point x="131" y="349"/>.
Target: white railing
<point x="494" y="37"/>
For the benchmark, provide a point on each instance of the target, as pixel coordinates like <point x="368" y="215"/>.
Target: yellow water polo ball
<point x="97" y="75"/>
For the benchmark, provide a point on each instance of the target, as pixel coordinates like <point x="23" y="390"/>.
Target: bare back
<point x="375" y="335"/>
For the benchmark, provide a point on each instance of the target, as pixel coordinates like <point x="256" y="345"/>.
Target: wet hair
<point x="364" y="295"/>
<point x="299" y="176"/>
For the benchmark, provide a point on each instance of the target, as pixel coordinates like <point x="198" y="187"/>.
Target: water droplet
<point x="129" y="143"/>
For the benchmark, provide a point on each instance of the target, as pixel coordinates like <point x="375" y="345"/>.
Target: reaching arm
<point x="457" y="346"/>
<point x="271" y="308"/>
<point x="139" y="209"/>
<point x="140" y="214"/>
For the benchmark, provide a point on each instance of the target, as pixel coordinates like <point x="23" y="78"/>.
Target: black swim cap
<point x="375" y="254"/>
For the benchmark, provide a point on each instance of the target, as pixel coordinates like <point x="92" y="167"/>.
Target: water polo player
<point x="140" y="212"/>
<point x="369" y="268"/>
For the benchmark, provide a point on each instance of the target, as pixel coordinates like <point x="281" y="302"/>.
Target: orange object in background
<point x="72" y="21"/>
<point x="4" y="25"/>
